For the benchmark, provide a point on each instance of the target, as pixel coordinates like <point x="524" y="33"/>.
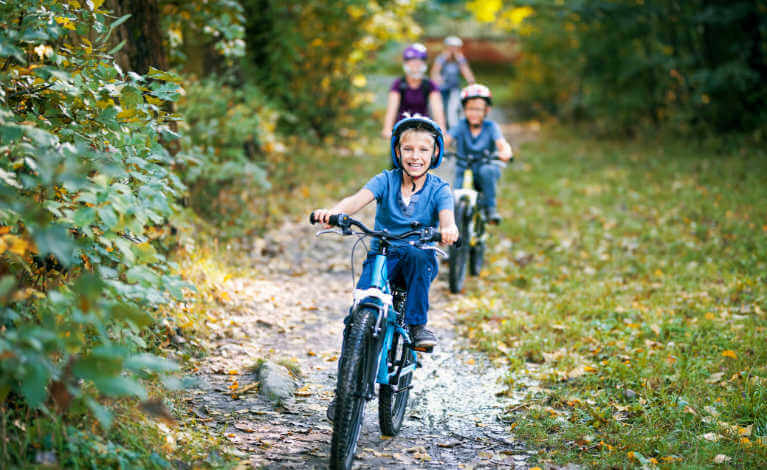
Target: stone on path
<point x="277" y="384"/>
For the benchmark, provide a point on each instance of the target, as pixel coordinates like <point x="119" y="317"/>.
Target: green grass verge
<point x="627" y="294"/>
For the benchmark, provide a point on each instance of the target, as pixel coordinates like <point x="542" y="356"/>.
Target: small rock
<point x="276" y="383"/>
<point x="629" y="394"/>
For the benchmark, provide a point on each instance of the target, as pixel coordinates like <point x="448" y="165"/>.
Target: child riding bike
<point x="413" y="93"/>
<point x="406" y="197"/>
<point x="446" y="72"/>
<point x="474" y="135"/>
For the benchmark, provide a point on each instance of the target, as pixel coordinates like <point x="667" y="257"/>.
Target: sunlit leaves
<point x="84" y="178"/>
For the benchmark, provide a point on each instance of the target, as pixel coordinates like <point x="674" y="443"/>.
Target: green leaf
<point x="10" y="133"/>
<point x="55" y="240"/>
<point x="114" y="50"/>
<point x="133" y="313"/>
<point x="34" y="381"/>
<point x="102" y="414"/>
<point x="166" y="92"/>
<point x="107" y="216"/>
<point x="120" y="387"/>
<point x="83" y="217"/>
<point x="151" y="362"/>
<point x="165" y="76"/>
<point x="114" y="25"/>
<point x="40" y="137"/>
<point x="141" y="273"/>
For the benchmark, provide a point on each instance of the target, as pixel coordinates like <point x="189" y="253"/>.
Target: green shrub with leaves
<point x="310" y="55"/>
<point x="227" y="132"/>
<point x="85" y="192"/>
<point x="693" y="65"/>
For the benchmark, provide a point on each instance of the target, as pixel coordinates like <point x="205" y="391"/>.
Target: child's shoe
<point x="422" y="338"/>
<point x="493" y="216"/>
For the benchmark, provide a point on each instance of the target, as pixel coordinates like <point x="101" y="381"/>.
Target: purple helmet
<point x="414" y="51"/>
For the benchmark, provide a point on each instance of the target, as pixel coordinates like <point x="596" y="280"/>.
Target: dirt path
<point x="294" y="312"/>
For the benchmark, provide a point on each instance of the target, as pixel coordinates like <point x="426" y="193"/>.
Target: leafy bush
<point x="695" y="65"/>
<point x="309" y="55"/>
<point x="86" y="190"/>
<point x="226" y="132"/>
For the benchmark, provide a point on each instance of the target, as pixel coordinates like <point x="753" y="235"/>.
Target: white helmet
<point x="453" y="41"/>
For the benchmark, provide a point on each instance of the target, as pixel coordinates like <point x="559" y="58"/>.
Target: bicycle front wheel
<point x="458" y="255"/>
<point x="352" y="389"/>
<point x="392" y="400"/>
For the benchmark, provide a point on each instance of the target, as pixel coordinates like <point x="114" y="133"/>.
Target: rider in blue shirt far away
<point x="476" y="135"/>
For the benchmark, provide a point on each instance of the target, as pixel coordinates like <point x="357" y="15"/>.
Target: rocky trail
<point x="292" y="315"/>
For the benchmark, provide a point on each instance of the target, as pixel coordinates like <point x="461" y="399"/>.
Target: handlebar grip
<point x="336" y="220"/>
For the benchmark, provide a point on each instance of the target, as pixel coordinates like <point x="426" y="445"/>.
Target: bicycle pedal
<point x="424" y="349"/>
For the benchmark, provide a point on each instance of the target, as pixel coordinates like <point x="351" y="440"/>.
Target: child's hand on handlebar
<point x="449" y="234"/>
<point x="323" y="216"/>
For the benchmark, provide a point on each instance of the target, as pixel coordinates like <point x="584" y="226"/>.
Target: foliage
<point x="631" y="63"/>
<point x="215" y="27"/>
<point x="310" y="55"/>
<point x="86" y="193"/>
<point x="628" y="299"/>
<point x="227" y="132"/>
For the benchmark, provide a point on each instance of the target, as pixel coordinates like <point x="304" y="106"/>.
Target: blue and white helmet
<point x="422" y="123"/>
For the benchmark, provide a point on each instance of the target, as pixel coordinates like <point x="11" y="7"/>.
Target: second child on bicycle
<point x="413" y="93"/>
<point x="408" y="195"/>
<point x="477" y="135"/>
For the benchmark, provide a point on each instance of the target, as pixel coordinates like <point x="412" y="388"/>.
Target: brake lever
<point x="439" y="251"/>
<point x="330" y="230"/>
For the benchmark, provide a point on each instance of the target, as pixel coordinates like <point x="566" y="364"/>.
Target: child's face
<point x="415" y="68"/>
<point x="415" y="151"/>
<point x="475" y="110"/>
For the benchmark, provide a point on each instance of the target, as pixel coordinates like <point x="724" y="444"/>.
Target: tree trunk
<point x="142" y="33"/>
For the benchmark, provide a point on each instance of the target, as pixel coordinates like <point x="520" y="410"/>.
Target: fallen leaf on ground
<point x="721" y="458"/>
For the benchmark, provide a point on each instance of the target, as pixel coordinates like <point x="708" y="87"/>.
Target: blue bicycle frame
<point x="378" y="296"/>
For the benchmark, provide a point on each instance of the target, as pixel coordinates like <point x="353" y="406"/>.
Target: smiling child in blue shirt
<point x="405" y="195"/>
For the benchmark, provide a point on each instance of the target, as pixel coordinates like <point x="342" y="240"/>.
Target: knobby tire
<point x="391" y="404"/>
<point x="457" y="261"/>
<point x="350" y="402"/>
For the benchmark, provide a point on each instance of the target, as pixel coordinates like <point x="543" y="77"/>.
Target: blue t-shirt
<point x="467" y="144"/>
<point x="391" y="212"/>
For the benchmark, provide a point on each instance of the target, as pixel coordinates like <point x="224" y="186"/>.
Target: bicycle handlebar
<point x="343" y="221"/>
<point x="486" y="157"/>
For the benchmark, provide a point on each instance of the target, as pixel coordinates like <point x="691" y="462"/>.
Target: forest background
<point x="134" y="137"/>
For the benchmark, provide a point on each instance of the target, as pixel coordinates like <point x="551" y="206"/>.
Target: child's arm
<point x="447" y="227"/>
<point x="348" y="205"/>
<point x="465" y="69"/>
<point x="391" y="113"/>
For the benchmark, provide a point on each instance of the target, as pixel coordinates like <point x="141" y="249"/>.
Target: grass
<point x="627" y="296"/>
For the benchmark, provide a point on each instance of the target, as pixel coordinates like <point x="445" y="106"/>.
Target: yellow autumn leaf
<point x="359" y="80"/>
<point x="484" y="10"/>
<point x="730" y="353"/>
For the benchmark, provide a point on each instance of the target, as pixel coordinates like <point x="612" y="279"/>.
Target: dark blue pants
<point x="486" y="178"/>
<point x="413" y="268"/>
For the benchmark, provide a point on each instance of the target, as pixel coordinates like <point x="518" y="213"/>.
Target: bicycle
<point x="471" y="222"/>
<point x="376" y="346"/>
